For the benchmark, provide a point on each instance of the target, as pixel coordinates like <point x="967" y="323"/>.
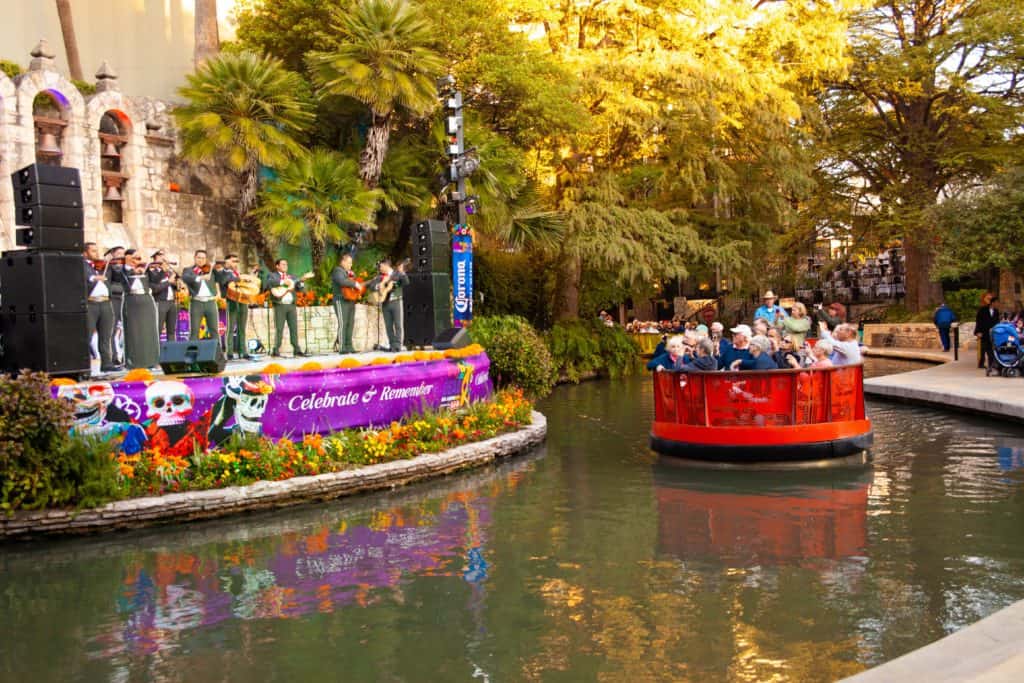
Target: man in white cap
<point x="739" y="349"/>
<point x="768" y="310"/>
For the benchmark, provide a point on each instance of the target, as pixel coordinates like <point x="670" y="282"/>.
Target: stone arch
<point x="101" y="108"/>
<point x="8" y="157"/>
<point x="72" y="105"/>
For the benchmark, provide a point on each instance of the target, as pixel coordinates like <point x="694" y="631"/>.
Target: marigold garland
<point x="349" y="363"/>
<point x="274" y="369"/>
<point x="311" y="366"/>
<point x="62" y="382"/>
<point x="138" y="375"/>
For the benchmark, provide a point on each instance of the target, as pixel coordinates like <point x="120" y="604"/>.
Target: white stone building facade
<point x="137" y="190"/>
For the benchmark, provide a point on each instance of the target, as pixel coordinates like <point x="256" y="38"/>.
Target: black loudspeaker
<point x="452" y="338"/>
<point x="57" y="343"/>
<point x="49" y="195"/>
<point x="427" y="307"/>
<point x="50" y="216"/>
<point x="431" y="246"/>
<point x="37" y="174"/>
<point x="203" y="356"/>
<point x="60" y="239"/>
<point x="42" y="283"/>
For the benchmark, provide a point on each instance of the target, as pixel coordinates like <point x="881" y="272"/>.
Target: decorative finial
<point x="42" y="57"/>
<point x="106" y="78"/>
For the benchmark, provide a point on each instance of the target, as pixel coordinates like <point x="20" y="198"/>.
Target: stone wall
<point x="270" y="494"/>
<point x="913" y="335"/>
<point x="318" y="328"/>
<point x="167" y="203"/>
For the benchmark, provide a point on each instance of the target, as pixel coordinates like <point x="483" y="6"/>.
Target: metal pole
<point x="956" y="341"/>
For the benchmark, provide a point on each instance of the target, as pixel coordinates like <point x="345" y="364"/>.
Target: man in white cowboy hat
<point x="768" y="310"/>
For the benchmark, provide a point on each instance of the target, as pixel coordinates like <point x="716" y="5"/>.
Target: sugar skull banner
<point x="178" y="415"/>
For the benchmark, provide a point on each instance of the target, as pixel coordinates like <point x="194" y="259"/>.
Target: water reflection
<point x="755" y="518"/>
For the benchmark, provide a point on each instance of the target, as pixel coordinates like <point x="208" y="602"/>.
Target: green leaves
<point x="318" y="197"/>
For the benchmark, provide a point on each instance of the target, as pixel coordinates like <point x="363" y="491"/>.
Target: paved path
<point x="956" y="385"/>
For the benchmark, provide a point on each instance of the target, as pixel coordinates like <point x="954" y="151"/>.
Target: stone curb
<point x="138" y="512"/>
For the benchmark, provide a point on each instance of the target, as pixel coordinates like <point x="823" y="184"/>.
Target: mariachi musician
<point x="163" y="283"/>
<point x="115" y="266"/>
<point x="238" y="312"/>
<point x="347" y="291"/>
<point x="282" y="288"/>
<point x="99" y="314"/>
<point x="202" y="291"/>
<point x="389" y="284"/>
<point x="141" y="335"/>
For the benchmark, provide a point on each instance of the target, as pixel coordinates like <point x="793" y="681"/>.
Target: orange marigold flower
<point x="61" y="382"/>
<point x="311" y="366"/>
<point x="274" y="369"/>
<point x="349" y="363"/>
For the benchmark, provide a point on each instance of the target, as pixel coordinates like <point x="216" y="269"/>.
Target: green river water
<point x="588" y="559"/>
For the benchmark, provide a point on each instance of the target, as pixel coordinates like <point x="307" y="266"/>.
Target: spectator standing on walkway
<point x="944" y="318"/>
<point x="987" y="318"/>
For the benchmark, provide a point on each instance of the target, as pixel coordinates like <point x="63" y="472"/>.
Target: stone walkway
<point x="955" y="385"/>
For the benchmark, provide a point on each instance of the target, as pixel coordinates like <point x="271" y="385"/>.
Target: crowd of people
<point x="132" y="301"/>
<point x="777" y="339"/>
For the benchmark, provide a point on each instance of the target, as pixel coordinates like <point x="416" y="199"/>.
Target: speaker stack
<point x="42" y="287"/>
<point x="428" y="298"/>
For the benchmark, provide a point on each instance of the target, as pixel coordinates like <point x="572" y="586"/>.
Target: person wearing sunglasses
<point x="788" y="355"/>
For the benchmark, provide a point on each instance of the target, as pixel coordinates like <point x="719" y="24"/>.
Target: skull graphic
<point x="169" y="402"/>
<point x="250" y="394"/>
<point x="89" y="401"/>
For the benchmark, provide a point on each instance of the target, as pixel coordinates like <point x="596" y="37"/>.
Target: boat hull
<point x="751" y="445"/>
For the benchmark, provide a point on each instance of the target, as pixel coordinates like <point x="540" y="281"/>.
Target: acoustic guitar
<point x="380" y="295"/>
<point x="279" y="291"/>
<point x="246" y="290"/>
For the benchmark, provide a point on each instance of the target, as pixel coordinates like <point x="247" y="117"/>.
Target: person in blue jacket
<point x="761" y="356"/>
<point x="673" y="358"/>
<point x="944" y="319"/>
<point x="739" y="348"/>
<point x="769" y="310"/>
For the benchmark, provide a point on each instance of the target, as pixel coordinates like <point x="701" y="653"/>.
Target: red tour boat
<point x="761" y="416"/>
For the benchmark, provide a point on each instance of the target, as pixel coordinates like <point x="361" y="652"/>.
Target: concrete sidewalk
<point x="955" y="385"/>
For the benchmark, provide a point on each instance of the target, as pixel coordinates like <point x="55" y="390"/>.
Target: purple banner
<point x="179" y="414"/>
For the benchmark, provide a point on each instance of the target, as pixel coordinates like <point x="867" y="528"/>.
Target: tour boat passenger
<point x="761" y="356"/>
<point x="820" y="353"/>
<point x="796" y="325"/>
<point x="788" y="355"/>
<point x="845" y="348"/>
<point x="738" y="348"/>
<point x="673" y="358"/>
<point x="705" y="360"/>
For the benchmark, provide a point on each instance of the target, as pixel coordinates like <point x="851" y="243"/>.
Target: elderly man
<point x="673" y="358"/>
<point x="768" y="310"/>
<point x="760" y="356"/>
<point x="845" y="348"/>
<point x="739" y="349"/>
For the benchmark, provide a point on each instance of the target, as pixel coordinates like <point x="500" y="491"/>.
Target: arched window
<point x="114" y="130"/>
<point x="50" y="112"/>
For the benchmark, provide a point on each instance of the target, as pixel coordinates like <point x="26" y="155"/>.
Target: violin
<point x="205" y="270"/>
<point x="99" y="264"/>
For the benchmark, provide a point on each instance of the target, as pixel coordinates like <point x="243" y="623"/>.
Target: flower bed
<point x="249" y="459"/>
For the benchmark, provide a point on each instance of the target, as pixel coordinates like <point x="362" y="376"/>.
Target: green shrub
<point x="33" y="439"/>
<point x="965" y="303"/>
<point x="579" y="347"/>
<point x="518" y="355"/>
<point x="519" y="284"/>
<point x="10" y="69"/>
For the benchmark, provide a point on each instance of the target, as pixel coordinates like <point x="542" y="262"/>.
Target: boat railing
<point x="760" y="398"/>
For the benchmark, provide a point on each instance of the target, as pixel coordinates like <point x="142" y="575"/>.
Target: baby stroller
<point x="1007" y="353"/>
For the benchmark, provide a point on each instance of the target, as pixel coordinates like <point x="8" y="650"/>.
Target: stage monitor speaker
<point x="46" y="282"/>
<point x="59" y="239"/>
<point x="41" y="174"/>
<point x="50" y="216"/>
<point x="427" y="307"/>
<point x="452" y="338"/>
<point x="57" y="343"/>
<point x="203" y="356"/>
<point x="47" y="195"/>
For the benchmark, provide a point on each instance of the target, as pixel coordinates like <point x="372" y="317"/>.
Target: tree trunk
<point x="247" y="199"/>
<point x="371" y="160"/>
<point x="923" y="294"/>
<point x="398" y="252"/>
<point x="567" y="290"/>
<point x="67" y="29"/>
<point x="317" y="249"/>
<point x="207" y="34"/>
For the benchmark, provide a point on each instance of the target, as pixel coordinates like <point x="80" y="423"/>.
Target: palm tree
<point x="317" y="196"/>
<point x="245" y="111"/>
<point x="67" y="29"/>
<point x="385" y="62"/>
<point x="207" y="34"/>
